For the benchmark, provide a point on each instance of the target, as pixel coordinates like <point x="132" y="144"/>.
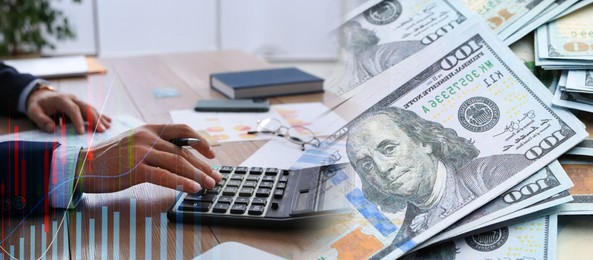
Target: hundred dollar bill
<point x="577" y="89"/>
<point x="542" y="185"/>
<point x="535" y="8"/>
<point x="535" y="239"/>
<point x="544" y="207"/>
<point x="580" y="81"/>
<point x="569" y="37"/>
<point x="434" y="142"/>
<point x="387" y="34"/>
<point x="580" y="4"/>
<point x="546" y="15"/>
<point x="563" y="79"/>
<point x="520" y="218"/>
<point x="501" y="15"/>
<point x="584" y="148"/>
<point x="352" y="8"/>
<point x="573" y="100"/>
<point x="574" y="237"/>
<point x="580" y="78"/>
<point x="566" y="209"/>
<point x="558" y="64"/>
<point x="524" y="50"/>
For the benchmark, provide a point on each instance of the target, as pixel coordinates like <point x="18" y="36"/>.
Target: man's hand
<point x="145" y="154"/>
<point x="42" y="104"/>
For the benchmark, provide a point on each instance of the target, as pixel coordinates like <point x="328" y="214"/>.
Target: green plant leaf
<point x="23" y="23"/>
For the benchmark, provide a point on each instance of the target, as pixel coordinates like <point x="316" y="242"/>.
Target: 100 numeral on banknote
<point x="389" y="33"/>
<point x="446" y="141"/>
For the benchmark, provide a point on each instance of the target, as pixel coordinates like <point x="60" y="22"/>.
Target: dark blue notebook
<point x="265" y="83"/>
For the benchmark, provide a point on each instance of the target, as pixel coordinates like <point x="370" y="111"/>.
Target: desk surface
<point x="127" y="89"/>
<point x="132" y="223"/>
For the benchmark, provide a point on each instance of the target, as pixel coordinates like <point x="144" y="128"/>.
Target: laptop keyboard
<point x="242" y="191"/>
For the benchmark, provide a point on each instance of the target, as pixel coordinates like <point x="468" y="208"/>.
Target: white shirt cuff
<point x="63" y="170"/>
<point x="22" y="105"/>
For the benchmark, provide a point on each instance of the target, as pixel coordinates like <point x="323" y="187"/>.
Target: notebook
<point x="265" y="83"/>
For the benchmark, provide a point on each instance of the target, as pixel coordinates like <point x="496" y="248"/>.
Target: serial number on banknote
<point x="464" y="81"/>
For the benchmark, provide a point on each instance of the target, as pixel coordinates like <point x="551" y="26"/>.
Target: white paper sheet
<point x="235" y="250"/>
<point x="67" y="135"/>
<point x="51" y="67"/>
<point x="229" y="127"/>
<point x="276" y="153"/>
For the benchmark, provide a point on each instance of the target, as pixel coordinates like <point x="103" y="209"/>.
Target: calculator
<point x="261" y="197"/>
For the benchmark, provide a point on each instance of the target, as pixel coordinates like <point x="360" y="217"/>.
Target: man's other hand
<point x="42" y="104"/>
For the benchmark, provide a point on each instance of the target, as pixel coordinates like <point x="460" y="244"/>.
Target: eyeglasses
<point x="296" y="134"/>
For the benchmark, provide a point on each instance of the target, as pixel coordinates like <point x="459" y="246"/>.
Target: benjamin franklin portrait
<point x="407" y="163"/>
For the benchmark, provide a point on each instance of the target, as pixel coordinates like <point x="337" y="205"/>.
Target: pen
<point x="184" y="141"/>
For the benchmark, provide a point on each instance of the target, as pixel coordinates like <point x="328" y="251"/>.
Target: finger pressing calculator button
<point x="256" y="210"/>
<point x="263" y="192"/>
<point x="238" y="208"/>
<point x="226" y="169"/>
<point x="195" y="206"/>
<point x="230" y="191"/>
<point x="201" y="197"/>
<point x="221" y="207"/>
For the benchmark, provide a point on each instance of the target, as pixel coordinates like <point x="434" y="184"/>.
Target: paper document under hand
<point x="67" y="135"/>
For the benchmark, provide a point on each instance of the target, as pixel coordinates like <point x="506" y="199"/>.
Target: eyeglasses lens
<point x="268" y="125"/>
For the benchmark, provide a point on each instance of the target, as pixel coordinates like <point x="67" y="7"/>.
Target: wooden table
<point x="127" y="89"/>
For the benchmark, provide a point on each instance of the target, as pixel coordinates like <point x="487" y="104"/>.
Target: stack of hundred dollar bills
<point x="566" y="44"/>
<point x="511" y="20"/>
<point x="451" y="147"/>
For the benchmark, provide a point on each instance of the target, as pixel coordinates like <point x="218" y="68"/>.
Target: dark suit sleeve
<point x="12" y="83"/>
<point x="25" y="175"/>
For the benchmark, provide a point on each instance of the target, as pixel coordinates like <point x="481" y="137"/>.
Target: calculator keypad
<point x="242" y="191"/>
